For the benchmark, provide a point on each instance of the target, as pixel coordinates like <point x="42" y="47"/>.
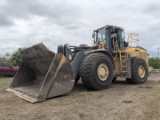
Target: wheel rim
<point x="141" y="71"/>
<point x="103" y="72"/>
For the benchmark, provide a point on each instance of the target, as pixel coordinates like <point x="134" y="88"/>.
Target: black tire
<point x="89" y="71"/>
<point x="114" y="79"/>
<point x="136" y="78"/>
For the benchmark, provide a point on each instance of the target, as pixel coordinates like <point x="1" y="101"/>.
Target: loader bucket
<point x="42" y="74"/>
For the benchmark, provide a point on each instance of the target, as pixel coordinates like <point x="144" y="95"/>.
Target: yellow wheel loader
<point x="44" y="74"/>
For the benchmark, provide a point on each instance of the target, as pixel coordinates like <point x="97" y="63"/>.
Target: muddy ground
<point x="120" y="102"/>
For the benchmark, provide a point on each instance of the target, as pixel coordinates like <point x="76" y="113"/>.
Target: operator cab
<point x="108" y="34"/>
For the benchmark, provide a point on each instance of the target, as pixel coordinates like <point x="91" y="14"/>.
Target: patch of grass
<point x="5" y="82"/>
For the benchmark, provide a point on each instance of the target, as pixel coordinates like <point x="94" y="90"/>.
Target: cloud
<point x="60" y="13"/>
<point x="27" y="22"/>
<point x="153" y="9"/>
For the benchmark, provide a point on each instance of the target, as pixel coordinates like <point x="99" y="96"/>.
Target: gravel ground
<point x="119" y="102"/>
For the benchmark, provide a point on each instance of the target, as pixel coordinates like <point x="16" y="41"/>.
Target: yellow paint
<point x="137" y="52"/>
<point x="120" y="55"/>
<point x="140" y="71"/>
<point x="102" y="71"/>
<point x="62" y="61"/>
<point x="134" y="52"/>
<point x="101" y="45"/>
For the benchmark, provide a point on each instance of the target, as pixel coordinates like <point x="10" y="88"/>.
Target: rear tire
<point x="96" y="71"/>
<point x="139" y="71"/>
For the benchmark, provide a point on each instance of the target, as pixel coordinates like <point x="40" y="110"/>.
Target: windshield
<point x="101" y="36"/>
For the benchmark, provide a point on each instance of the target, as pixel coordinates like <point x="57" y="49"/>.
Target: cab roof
<point x="110" y="26"/>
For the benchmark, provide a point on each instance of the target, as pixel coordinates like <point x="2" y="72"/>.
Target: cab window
<point x="101" y="35"/>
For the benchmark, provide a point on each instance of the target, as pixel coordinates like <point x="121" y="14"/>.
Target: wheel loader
<point x="44" y="74"/>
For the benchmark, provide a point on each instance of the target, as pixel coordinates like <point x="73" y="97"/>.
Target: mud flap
<point x="42" y="75"/>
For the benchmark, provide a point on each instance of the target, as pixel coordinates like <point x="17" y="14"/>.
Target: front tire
<point x="96" y="71"/>
<point x="139" y="71"/>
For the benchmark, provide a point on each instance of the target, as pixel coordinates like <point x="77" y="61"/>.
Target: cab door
<point x="102" y="35"/>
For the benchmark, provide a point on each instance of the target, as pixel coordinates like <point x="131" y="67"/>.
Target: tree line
<point x="154" y="62"/>
<point x="12" y="58"/>
<point x="15" y="59"/>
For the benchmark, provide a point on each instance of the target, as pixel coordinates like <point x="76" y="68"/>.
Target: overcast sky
<point x="27" y="22"/>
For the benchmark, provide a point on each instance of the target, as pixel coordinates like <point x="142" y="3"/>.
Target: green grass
<point x="5" y="82"/>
